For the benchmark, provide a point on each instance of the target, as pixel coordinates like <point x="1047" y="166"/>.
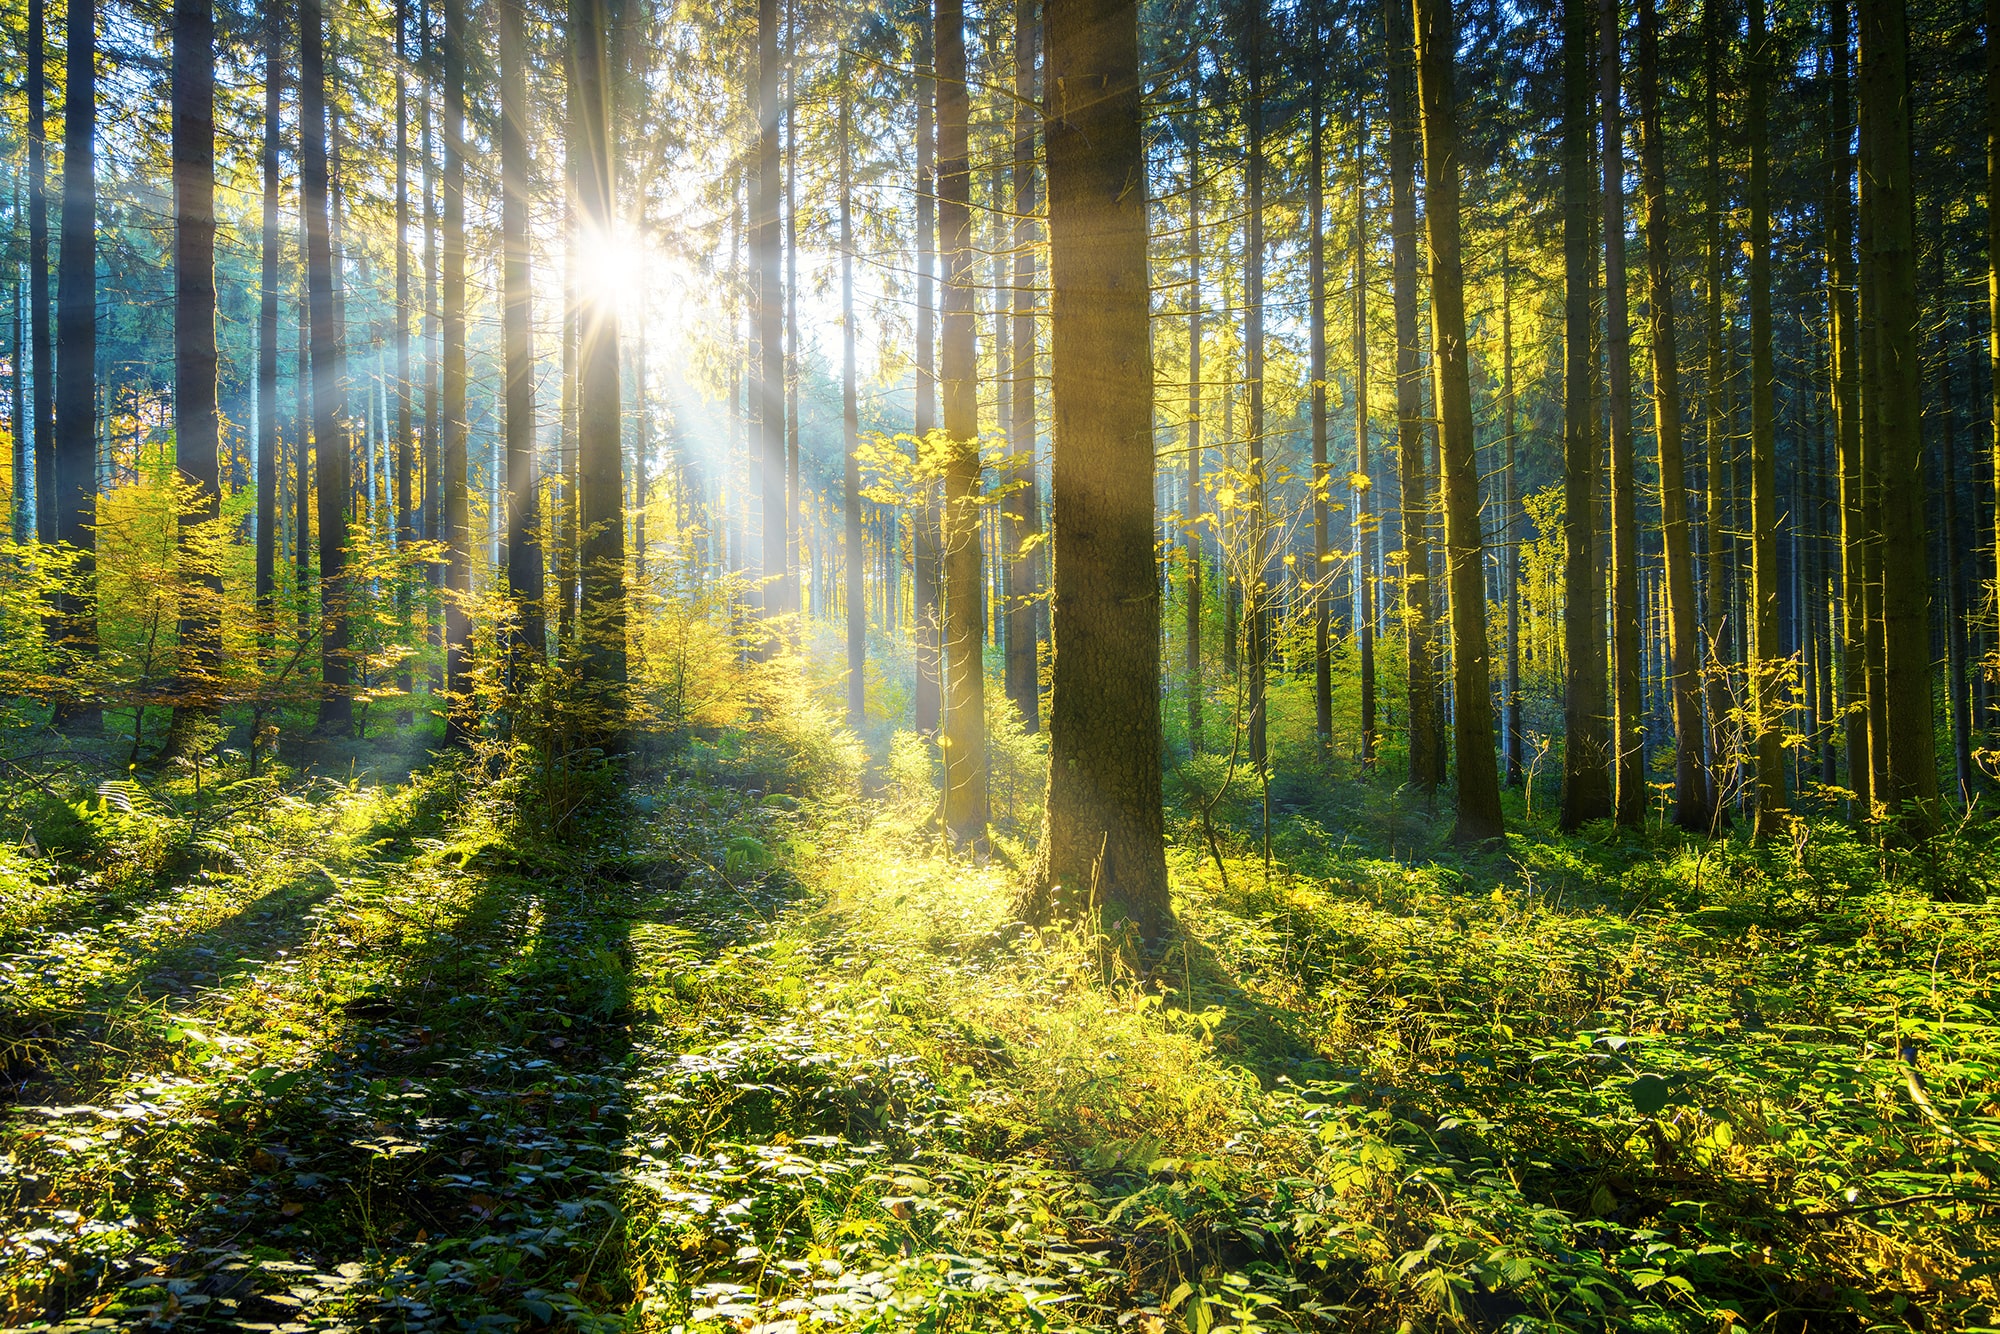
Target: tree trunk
<point x="1628" y="708"/>
<point x="600" y="470"/>
<point x="1425" y="707"/>
<point x="406" y="463"/>
<point x="1691" y="809"/>
<point x="964" y="621"/>
<point x="1103" y="839"/>
<point x="1886" y="201"/>
<point x="1767" y="658"/>
<point x="1587" y="792"/>
<point x="457" y="506"/>
<point x="1024" y="507"/>
<point x="1364" y="518"/>
<point x="1479" y="818"/>
<point x="925" y="570"/>
<point x="196" y="427"/>
<point x="40" y="352"/>
<point x="1191" y="541"/>
<point x="857" y="611"/>
<point x="1257" y="575"/>
<point x="267" y="333"/>
<point x="329" y="374"/>
<point x="524" y="518"/>
<point x="1512" y="745"/>
<point x="1322" y="479"/>
<point x="76" y="347"/>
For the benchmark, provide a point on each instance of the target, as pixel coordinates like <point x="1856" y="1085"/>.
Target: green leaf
<point x="1650" y="1094"/>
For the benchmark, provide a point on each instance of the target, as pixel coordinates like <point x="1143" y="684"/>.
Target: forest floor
<point x="311" y="1053"/>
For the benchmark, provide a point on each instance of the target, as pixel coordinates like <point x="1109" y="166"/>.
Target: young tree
<point x="1479" y="818"/>
<point x="1103" y="830"/>
<point x="964" y="620"/>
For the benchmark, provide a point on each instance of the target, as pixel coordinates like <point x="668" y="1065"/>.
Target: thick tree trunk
<point x="267" y="333"/>
<point x="1691" y="809"/>
<point x="1628" y="708"/>
<point x="457" y="507"/>
<point x="1425" y="705"/>
<point x="1103" y="838"/>
<point x="600" y="470"/>
<point x="850" y="419"/>
<point x="1479" y="818"/>
<point x="197" y="430"/>
<point x="1886" y="202"/>
<point x="964" y="619"/>
<point x="76" y="347"/>
<point x="1587" y="758"/>
<point x="1024" y="504"/>
<point x="524" y="517"/>
<point x="1767" y="657"/>
<point x="329" y="374"/>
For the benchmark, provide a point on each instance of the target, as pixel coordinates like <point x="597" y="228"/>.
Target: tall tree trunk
<point x="41" y="353"/>
<point x="1958" y="700"/>
<point x="1365" y="520"/>
<point x="76" y="346"/>
<point x="1767" y="661"/>
<point x="406" y="462"/>
<point x="926" y="573"/>
<point x="1587" y="791"/>
<point x="267" y="332"/>
<point x="1691" y="809"/>
<point x="457" y="505"/>
<point x="850" y="420"/>
<point x="765" y="256"/>
<point x="1257" y="575"/>
<point x="1103" y="837"/>
<point x="1992" y="262"/>
<point x="196" y="427"/>
<point x="1322" y="479"/>
<point x="600" y="470"/>
<point x="1023" y="503"/>
<point x="964" y="620"/>
<point x="1512" y="745"/>
<point x="1479" y="818"/>
<point x="1191" y="540"/>
<point x="17" y="417"/>
<point x="1628" y="708"/>
<point x="302" y="397"/>
<point x="1426" y="710"/>
<point x="793" y="499"/>
<point x="524" y="517"/>
<point x="329" y="373"/>
<point x="1886" y="202"/>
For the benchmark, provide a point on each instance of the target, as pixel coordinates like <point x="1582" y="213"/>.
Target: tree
<point x="460" y="722"/>
<point x="850" y="430"/>
<point x="524" y="518"/>
<point x="1767" y="663"/>
<point x="75" y="469"/>
<point x="1192" y="542"/>
<point x="765" y="245"/>
<point x="1023" y="502"/>
<point x="329" y="373"/>
<point x="601" y="479"/>
<point x="1587" y="793"/>
<point x="1103" y="829"/>
<point x="964" y="619"/>
<point x="1322" y="479"/>
<point x="1364" y="518"/>
<point x="1479" y="818"/>
<point x="267" y="330"/>
<point x="40" y="353"/>
<point x="1691" y="808"/>
<point x="1629" y="767"/>
<point x="1257" y="578"/>
<point x="926" y="572"/>
<point x="196" y="427"/>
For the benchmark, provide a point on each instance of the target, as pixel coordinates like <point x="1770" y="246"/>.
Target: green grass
<point x="325" y="1054"/>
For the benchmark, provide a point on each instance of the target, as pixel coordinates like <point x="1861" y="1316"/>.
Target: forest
<point x="1213" y="666"/>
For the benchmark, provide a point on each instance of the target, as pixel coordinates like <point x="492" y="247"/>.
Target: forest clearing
<point x="1153" y="665"/>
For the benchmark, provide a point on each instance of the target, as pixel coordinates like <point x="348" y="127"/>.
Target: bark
<point x="926" y="573"/>
<point x="267" y="332"/>
<point x="1425" y="707"/>
<point x="524" y="519"/>
<point x="1365" y="522"/>
<point x="964" y="619"/>
<point x="41" y="352"/>
<point x="1257" y="576"/>
<point x="1023" y="504"/>
<point x="76" y="345"/>
<point x="1767" y="657"/>
<point x="405" y="426"/>
<point x="1628" y="708"/>
<point x="1886" y="203"/>
<point x="1192" y="543"/>
<point x="329" y="373"/>
<point x="1479" y="818"/>
<point x="197" y="430"/>
<point x="1322" y="480"/>
<point x="457" y="512"/>
<point x="1511" y="743"/>
<point x="1103" y="838"/>
<point x="857" y="611"/>
<point x="765" y="258"/>
<point x="1691" y="808"/>
<point x="600" y="470"/>
<point x="1587" y="788"/>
